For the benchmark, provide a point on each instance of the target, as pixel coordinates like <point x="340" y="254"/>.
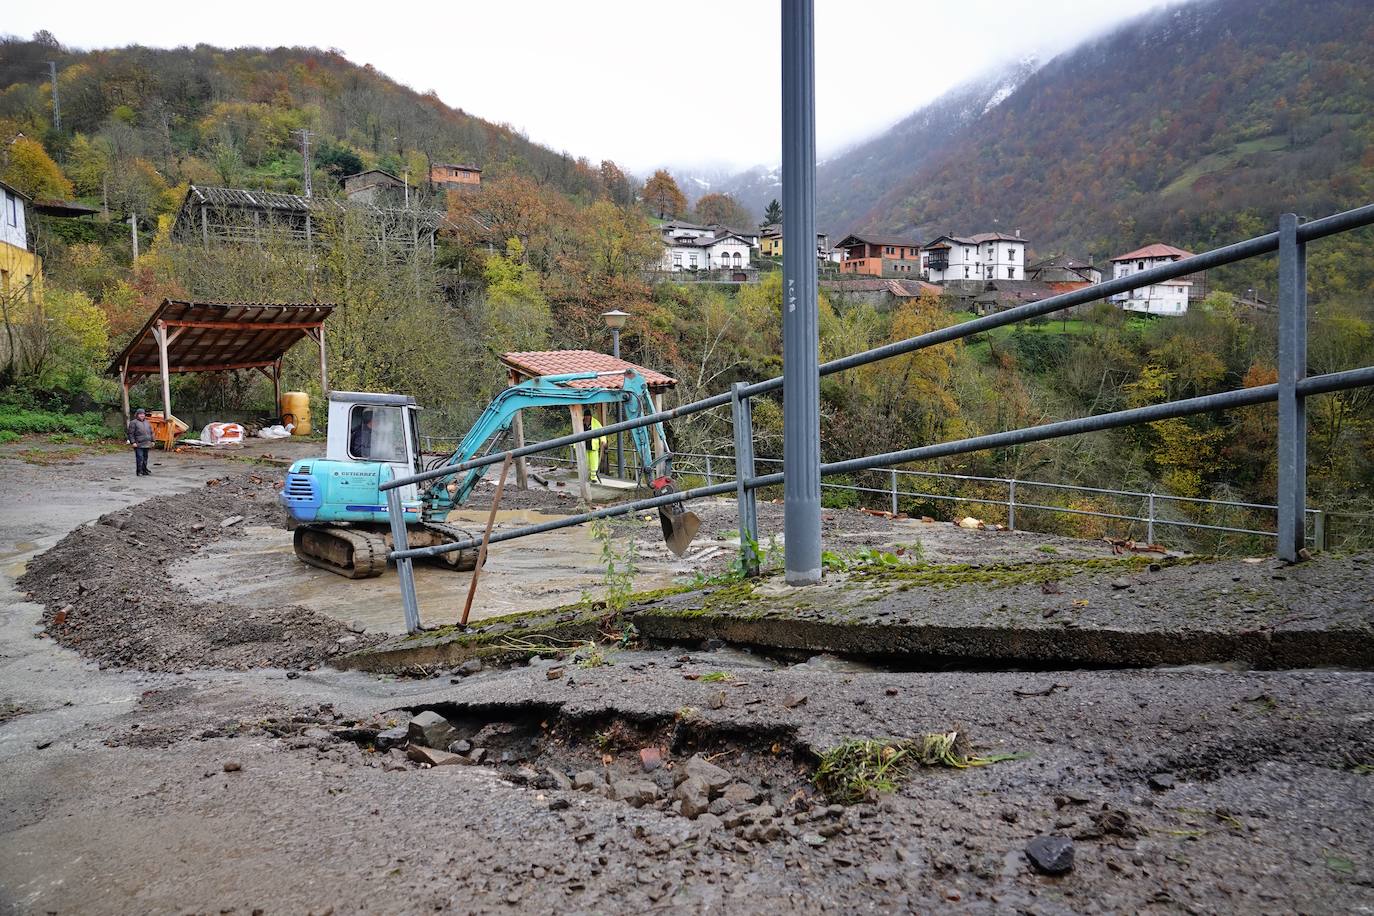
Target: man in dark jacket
<point x="140" y="436"/>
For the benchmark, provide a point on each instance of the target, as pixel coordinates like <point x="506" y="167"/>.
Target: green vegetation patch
<point x="16" y="421"/>
<point x="1001" y="575"/>
<point x="860" y="768"/>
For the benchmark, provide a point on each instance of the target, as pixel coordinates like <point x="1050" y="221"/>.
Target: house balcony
<point x="938" y="264"/>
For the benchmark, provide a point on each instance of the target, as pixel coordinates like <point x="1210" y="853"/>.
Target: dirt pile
<point x="107" y="596"/>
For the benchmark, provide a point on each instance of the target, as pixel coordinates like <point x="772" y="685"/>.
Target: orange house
<point x="444" y="175"/>
<point x="880" y="256"/>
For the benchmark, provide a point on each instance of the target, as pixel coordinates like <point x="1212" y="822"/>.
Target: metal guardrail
<point x="1290" y="391"/>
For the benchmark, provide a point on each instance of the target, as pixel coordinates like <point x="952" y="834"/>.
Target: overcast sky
<point x="646" y="83"/>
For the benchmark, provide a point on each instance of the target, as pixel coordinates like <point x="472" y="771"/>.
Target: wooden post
<point x="580" y="452"/>
<point x="486" y="538"/>
<point x="276" y="388"/>
<point x="318" y="336"/>
<point x="521" y="470"/>
<point x="204" y="229"/>
<point x="160" y="332"/>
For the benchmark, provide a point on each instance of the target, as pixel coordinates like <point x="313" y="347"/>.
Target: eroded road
<point x="176" y="782"/>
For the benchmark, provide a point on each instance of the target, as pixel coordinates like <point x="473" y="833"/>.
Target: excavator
<point x="338" y="509"/>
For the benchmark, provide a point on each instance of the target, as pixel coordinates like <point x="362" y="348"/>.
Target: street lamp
<point x="615" y="320"/>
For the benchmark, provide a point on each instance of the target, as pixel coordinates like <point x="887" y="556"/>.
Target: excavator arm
<point x="444" y="493"/>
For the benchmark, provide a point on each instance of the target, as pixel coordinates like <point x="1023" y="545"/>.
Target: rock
<point x="421" y="754"/>
<point x="587" y="780"/>
<point x="813" y="839"/>
<point x="1121" y="583"/>
<point x="229" y="522"/>
<point x="716" y="699"/>
<point x="635" y="792"/>
<point x="793" y="700"/>
<point x="721" y="807"/>
<point x="650" y="758"/>
<point x="431" y="729"/>
<point x="695" y="795"/>
<point x="460" y="746"/>
<point x="477" y="755"/>
<point x="347" y="640"/>
<point x="559" y="804"/>
<point x="553" y="674"/>
<point x="713" y="776"/>
<point x="740" y="793"/>
<point x="559" y="778"/>
<point x="712" y="644"/>
<point x="358" y="626"/>
<point x="232" y="766"/>
<point x="1162" y="782"/>
<point x="707" y="824"/>
<point x="470" y="667"/>
<point x="391" y="737"/>
<point x="1051" y="855"/>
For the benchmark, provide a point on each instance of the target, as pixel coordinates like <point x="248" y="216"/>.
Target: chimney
<point x="1018" y="233"/>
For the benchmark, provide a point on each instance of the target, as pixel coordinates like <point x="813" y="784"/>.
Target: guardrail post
<point x="404" y="572"/>
<point x="708" y="470"/>
<point x="1292" y="484"/>
<point x="743" y="415"/>
<point x="1321" y="532"/>
<point x="892" y="482"/>
<point x="801" y="419"/>
<point x="1011" y="505"/>
<point x="1150" y="519"/>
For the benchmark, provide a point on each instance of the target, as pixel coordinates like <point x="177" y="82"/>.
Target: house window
<point x="1010" y="272"/>
<point x="965" y="271"/>
<point x="887" y="249"/>
<point x="736" y="257"/>
<point x="11" y="209"/>
<point x="1011" y="254"/>
<point x="1140" y="265"/>
<point x="693" y="257"/>
<point x="677" y="258"/>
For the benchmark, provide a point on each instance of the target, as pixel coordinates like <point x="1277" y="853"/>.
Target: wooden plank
<point x="245" y="325"/>
<point x="207" y="367"/>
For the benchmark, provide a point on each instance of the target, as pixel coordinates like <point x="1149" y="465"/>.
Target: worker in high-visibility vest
<point x="594" y="446"/>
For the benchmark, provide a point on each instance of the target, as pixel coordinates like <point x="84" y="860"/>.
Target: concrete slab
<point x="1126" y="611"/>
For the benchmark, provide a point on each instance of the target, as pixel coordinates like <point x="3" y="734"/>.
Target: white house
<point x="1167" y="298"/>
<point x="687" y="246"/>
<point x="986" y="256"/>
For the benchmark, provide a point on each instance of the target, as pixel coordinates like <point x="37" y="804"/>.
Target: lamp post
<point x="615" y="320"/>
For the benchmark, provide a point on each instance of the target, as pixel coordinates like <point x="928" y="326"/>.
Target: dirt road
<point x="178" y="783"/>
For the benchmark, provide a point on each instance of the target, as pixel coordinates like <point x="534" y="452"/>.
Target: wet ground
<point x="193" y="788"/>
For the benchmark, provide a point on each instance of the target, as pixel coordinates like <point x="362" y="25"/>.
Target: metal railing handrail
<point x="1292" y="387"/>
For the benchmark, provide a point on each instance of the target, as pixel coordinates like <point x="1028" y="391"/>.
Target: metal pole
<point x="399" y="542"/>
<point x="1011" y="505"/>
<point x="892" y="482"/>
<point x="1320" y="537"/>
<point x="743" y="415"/>
<point x="708" y="470"/>
<point x="1292" y="485"/>
<point x="619" y="413"/>
<point x="133" y="232"/>
<point x="801" y="342"/>
<point x="1150" y="520"/>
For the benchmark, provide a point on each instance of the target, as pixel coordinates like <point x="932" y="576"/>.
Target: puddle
<point x="259" y="570"/>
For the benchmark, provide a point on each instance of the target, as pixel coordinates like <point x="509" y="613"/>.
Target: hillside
<point x="217" y="116"/>
<point x="1196" y="125"/>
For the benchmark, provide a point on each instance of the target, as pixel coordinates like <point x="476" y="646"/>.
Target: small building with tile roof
<point x="1170" y="297"/>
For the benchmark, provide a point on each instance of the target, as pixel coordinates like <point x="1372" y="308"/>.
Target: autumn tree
<point x="721" y="210"/>
<point x="30" y="170"/>
<point x="772" y="214"/>
<point x="617" y="183"/>
<point x="663" y="197"/>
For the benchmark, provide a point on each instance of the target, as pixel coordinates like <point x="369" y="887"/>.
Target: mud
<point x="1203" y="789"/>
<point x="107" y="591"/>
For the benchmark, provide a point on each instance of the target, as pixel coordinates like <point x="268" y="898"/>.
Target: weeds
<point x="620" y="567"/>
<point x="861" y="768"/>
<point x="873" y="558"/>
<point x="716" y="677"/>
<point x="21" y="421"/>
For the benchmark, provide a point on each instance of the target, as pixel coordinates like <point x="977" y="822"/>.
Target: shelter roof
<point x="217" y="336"/>
<point x="533" y="363"/>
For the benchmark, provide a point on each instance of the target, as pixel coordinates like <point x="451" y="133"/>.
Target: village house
<point x="1064" y="269"/>
<point x="770" y="242"/>
<point x="688" y="246"/>
<point x="21" y="269"/>
<point x="377" y="187"/>
<point x="1167" y="298"/>
<point x="447" y="176"/>
<point x="986" y="256"/>
<point x="880" y="256"/>
<point x="878" y="292"/>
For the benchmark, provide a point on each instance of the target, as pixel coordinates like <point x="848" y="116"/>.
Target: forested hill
<point x="1193" y="125"/>
<point x="215" y="116"/>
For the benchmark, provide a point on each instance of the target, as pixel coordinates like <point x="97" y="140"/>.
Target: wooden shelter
<point x="526" y="365"/>
<point x="185" y="336"/>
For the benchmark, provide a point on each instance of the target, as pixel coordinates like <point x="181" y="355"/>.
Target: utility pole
<point x="305" y="160"/>
<point x="801" y="424"/>
<point x="56" y="108"/>
<point x="133" y="232"/>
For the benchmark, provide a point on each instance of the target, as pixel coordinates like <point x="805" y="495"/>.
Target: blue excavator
<point x="338" y="509"/>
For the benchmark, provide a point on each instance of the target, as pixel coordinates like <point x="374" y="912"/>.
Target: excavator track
<point x="354" y="553"/>
<point x="459" y="561"/>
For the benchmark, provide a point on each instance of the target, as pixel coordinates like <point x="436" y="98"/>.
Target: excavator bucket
<point x="679" y="525"/>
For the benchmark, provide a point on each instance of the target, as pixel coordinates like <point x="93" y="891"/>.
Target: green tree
<point x="772" y="214"/>
<point x="517" y="315"/>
